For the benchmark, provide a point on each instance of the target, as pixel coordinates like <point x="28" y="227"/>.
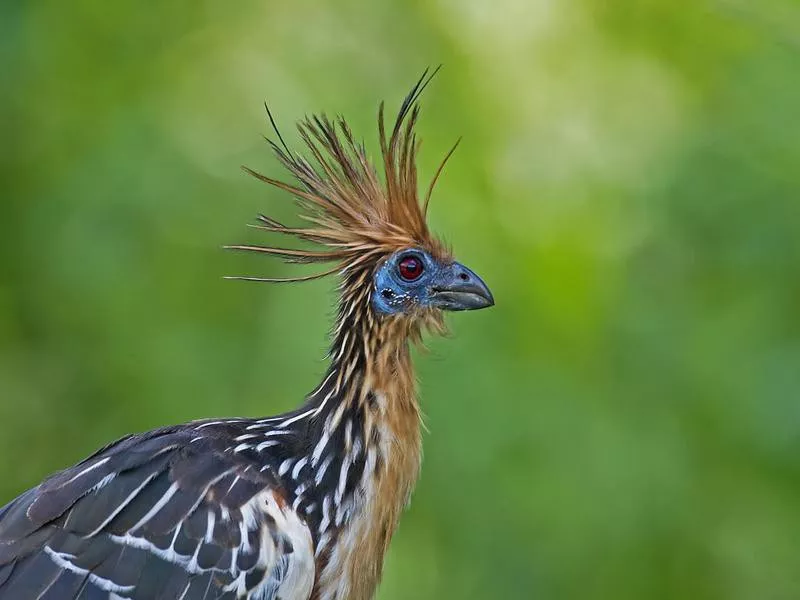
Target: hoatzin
<point x="301" y="505"/>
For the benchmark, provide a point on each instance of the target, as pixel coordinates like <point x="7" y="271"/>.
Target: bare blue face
<point x="412" y="278"/>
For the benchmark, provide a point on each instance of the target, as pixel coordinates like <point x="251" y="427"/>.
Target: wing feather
<point x="156" y="516"/>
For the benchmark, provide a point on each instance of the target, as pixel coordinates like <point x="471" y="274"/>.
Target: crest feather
<point x="354" y="214"/>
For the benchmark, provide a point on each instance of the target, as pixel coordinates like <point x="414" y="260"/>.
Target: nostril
<point x="463" y="276"/>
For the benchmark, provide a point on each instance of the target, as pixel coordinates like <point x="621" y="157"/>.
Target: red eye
<point x="410" y="267"/>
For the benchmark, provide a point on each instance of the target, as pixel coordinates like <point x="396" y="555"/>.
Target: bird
<point x="297" y="506"/>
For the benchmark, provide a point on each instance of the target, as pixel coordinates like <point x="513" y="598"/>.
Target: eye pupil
<point x="410" y="268"/>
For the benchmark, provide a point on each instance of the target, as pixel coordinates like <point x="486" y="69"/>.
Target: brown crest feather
<point x="355" y="215"/>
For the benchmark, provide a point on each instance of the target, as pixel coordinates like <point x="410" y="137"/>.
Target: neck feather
<point x="369" y="355"/>
<point x="369" y="418"/>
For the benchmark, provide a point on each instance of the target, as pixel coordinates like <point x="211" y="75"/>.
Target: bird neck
<point x="370" y="359"/>
<point x="368" y="432"/>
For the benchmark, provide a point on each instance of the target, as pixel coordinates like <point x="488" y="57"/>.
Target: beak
<point x="456" y="287"/>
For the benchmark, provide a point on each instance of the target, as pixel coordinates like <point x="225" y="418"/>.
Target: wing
<point x="168" y="516"/>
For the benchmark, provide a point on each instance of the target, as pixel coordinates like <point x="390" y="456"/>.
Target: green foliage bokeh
<point x="624" y="424"/>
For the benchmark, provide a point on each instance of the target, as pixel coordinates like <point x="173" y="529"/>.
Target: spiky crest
<point x="357" y="218"/>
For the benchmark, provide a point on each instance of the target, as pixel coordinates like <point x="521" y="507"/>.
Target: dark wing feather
<point x="166" y="515"/>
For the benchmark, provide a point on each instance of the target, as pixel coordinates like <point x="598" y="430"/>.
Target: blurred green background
<point x="624" y="424"/>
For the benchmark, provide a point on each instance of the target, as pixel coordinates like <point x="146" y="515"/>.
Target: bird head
<point x="413" y="278"/>
<point x="372" y="228"/>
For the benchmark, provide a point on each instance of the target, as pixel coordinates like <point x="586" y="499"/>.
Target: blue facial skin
<point x="450" y="286"/>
